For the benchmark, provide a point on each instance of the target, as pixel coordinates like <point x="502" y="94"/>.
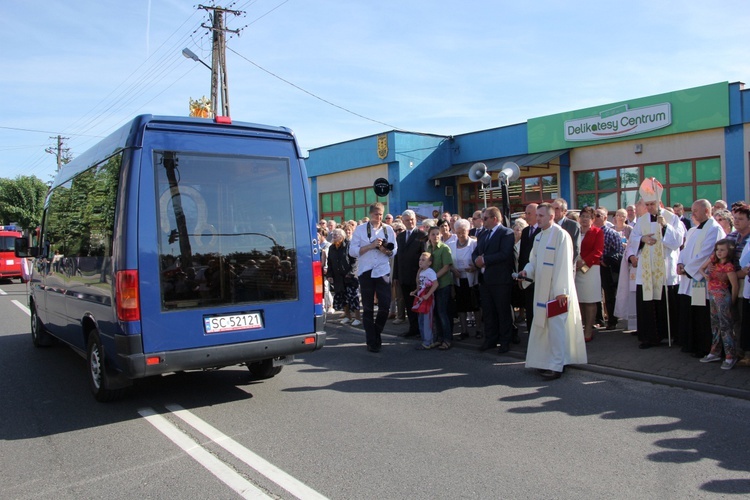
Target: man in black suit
<point x="560" y="206"/>
<point x="679" y="211"/>
<point x="476" y="221"/>
<point x="406" y="266"/>
<point x="494" y="258"/>
<point x="527" y="242"/>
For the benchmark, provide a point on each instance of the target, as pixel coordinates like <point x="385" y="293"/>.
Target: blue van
<point x="179" y="244"/>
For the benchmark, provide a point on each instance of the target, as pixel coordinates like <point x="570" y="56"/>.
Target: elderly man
<point x="527" y="242"/>
<point x="330" y="225"/>
<point x="476" y="222"/>
<point x="630" y="221"/>
<point x="495" y="259"/>
<point x="659" y="234"/>
<point x="609" y="269"/>
<point x="560" y="207"/>
<point x="406" y="265"/>
<point x="555" y="340"/>
<point x="373" y="244"/>
<point x="695" y="320"/>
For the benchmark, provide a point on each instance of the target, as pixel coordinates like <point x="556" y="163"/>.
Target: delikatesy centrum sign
<point x="619" y="122"/>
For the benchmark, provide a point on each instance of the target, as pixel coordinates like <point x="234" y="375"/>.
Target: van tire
<point x="262" y="370"/>
<point x="39" y="335"/>
<point x="99" y="380"/>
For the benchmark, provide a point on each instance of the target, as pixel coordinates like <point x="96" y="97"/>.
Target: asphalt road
<point x="344" y="423"/>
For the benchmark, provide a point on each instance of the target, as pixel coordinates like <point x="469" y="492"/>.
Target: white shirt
<point x="373" y="260"/>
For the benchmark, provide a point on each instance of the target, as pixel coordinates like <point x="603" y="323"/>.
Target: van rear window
<point x="226" y="230"/>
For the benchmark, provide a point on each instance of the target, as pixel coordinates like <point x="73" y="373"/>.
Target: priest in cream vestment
<point x="557" y="341"/>
<point x="659" y="234"/>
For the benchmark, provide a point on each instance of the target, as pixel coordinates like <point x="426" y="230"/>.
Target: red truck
<point x="10" y="265"/>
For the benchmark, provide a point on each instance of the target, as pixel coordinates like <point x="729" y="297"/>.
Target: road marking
<point x="218" y="468"/>
<point x="278" y="476"/>
<point x="3" y="292"/>
<point x="22" y="307"/>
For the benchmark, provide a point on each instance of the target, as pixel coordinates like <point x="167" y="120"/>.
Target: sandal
<point x="444" y="346"/>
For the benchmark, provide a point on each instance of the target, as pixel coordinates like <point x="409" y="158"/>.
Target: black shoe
<point x="373" y="349"/>
<point x="647" y="345"/>
<point x="550" y="374"/>
<point x="486" y="347"/>
<point x="503" y="349"/>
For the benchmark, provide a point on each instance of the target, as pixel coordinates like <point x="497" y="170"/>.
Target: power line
<point x="47" y="131"/>
<point x="316" y="96"/>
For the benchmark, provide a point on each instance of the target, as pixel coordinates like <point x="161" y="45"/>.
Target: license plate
<point x="10" y="262"/>
<point x="233" y="322"/>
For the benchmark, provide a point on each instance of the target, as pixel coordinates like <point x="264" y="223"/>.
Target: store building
<point x="695" y="141"/>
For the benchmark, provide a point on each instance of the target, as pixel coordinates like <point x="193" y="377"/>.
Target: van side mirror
<point x="22" y="249"/>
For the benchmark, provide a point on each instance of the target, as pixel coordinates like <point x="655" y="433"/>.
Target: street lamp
<point x="191" y="55"/>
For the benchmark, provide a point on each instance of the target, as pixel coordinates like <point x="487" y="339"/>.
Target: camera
<point x="388" y="245"/>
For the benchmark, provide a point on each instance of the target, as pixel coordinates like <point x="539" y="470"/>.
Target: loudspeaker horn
<point x="510" y="172"/>
<point x="478" y="173"/>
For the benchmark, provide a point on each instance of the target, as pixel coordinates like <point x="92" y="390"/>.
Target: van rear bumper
<point x="132" y="360"/>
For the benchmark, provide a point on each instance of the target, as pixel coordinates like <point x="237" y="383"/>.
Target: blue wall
<point x="419" y="157"/>
<point x="493" y="143"/>
<point x="734" y="144"/>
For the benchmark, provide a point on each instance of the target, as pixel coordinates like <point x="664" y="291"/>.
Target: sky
<point x="336" y="70"/>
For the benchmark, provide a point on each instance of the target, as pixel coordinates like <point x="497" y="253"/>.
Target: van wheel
<point x="263" y="369"/>
<point x="99" y="381"/>
<point x="39" y="335"/>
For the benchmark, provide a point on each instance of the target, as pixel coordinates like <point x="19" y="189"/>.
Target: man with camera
<point x="373" y="244"/>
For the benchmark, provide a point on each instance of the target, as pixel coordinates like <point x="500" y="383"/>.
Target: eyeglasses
<point x="598" y="216"/>
<point x="475" y="218"/>
<point x="487" y="218"/>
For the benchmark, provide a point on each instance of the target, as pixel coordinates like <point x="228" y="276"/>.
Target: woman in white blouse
<point x="464" y="273"/>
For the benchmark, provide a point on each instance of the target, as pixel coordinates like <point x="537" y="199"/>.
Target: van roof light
<point x="226" y="120"/>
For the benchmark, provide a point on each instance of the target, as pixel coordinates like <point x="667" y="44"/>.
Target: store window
<point x="521" y="192"/>
<point x="352" y="204"/>
<point x="684" y="182"/>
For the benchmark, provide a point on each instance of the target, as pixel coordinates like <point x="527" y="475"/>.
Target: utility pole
<point x="60" y="152"/>
<point x="219" y="57"/>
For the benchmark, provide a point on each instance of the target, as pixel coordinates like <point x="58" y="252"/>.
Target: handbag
<point x="422" y="306"/>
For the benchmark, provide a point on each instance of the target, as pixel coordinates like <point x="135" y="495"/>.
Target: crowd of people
<point x="652" y="271"/>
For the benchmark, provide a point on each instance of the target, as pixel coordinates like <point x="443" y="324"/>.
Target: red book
<point x="554" y="308"/>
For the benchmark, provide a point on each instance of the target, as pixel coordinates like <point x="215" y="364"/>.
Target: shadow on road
<point x="45" y="391"/>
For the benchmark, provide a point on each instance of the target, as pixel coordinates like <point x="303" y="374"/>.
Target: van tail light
<point x="126" y="296"/>
<point x="318" y="283"/>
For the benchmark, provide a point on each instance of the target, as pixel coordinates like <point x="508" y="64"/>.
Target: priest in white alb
<point x="694" y="332"/>
<point x="553" y="341"/>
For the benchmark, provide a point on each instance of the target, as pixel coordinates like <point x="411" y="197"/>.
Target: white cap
<point x="651" y="190"/>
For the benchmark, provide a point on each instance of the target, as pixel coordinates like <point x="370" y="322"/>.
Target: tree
<point x="22" y="200"/>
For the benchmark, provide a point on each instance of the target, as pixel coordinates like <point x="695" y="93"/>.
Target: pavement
<point x="616" y="352"/>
